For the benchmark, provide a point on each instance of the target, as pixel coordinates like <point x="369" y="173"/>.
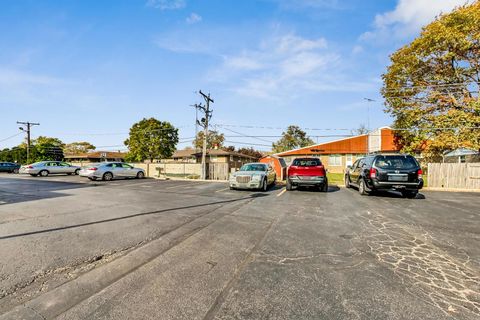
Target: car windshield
<point x="253" y="167"/>
<point x="396" y="162"/>
<point x="306" y="162"/>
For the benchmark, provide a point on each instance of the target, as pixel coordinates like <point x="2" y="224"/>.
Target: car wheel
<point x="43" y="173"/>
<point x="15" y="171"/>
<point x="265" y="185"/>
<point x="409" y="194"/>
<point x="232" y="188"/>
<point x="107" y="176"/>
<point x="347" y="182"/>
<point x="69" y="174"/>
<point x="289" y="185"/>
<point x="77" y="172"/>
<point x="325" y="187"/>
<point x="140" y="175"/>
<point x="362" y="188"/>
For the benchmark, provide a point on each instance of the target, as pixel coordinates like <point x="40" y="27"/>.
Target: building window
<point x="335" y="160"/>
<point x="462" y="159"/>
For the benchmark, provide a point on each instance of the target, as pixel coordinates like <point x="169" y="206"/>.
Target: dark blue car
<point x="9" y="167"/>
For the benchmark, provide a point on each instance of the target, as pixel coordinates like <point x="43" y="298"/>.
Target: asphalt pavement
<point x="152" y="249"/>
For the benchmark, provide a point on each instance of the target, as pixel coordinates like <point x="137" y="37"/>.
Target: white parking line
<point x="282" y="192"/>
<point x="224" y="189"/>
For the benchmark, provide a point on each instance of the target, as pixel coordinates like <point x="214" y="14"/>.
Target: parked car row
<point x="397" y="172"/>
<point x="101" y="171"/>
<point x="9" y="167"/>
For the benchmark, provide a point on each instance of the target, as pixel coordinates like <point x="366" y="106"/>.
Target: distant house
<point x="234" y="159"/>
<point x="96" y="156"/>
<point x="338" y="154"/>
<point x="462" y="155"/>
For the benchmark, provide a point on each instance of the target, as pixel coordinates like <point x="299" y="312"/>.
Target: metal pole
<point x="29" y="125"/>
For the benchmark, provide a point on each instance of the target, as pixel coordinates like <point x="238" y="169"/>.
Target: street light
<point x="368" y="122"/>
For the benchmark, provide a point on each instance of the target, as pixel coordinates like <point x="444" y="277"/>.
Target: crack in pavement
<point x="449" y="284"/>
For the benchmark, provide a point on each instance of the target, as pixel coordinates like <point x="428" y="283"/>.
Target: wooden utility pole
<point x="204" y="123"/>
<point x="27" y="130"/>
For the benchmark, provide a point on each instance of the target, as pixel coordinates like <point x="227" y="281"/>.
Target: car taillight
<point x="29" y="167"/>
<point x="92" y="169"/>
<point x="419" y="173"/>
<point x="373" y="173"/>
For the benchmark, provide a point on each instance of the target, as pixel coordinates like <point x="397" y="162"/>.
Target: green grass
<point x="335" y="178"/>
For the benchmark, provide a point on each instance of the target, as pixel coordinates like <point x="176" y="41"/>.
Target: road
<point x="150" y="249"/>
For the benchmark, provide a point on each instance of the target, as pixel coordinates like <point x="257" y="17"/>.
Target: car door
<point x="52" y="167"/>
<point x="118" y="170"/>
<point x="356" y="171"/>
<point x="64" y="168"/>
<point x="271" y="174"/>
<point x="128" y="170"/>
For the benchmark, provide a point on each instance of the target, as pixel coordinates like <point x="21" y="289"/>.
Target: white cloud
<point x="166" y="4"/>
<point x="193" y="18"/>
<point x="408" y="17"/>
<point x="280" y="65"/>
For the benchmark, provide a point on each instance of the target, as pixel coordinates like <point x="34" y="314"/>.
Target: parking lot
<point x="153" y="249"/>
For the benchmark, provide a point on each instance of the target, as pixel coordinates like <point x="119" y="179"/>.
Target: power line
<point x="247" y="136"/>
<point x="5" y="139"/>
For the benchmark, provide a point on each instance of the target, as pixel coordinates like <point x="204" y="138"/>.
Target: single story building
<point x="462" y="155"/>
<point x="338" y="154"/>
<point x="96" y="156"/>
<point x="234" y="159"/>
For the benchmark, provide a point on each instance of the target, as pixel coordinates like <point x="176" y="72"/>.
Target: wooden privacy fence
<point x="218" y="171"/>
<point x="454" y="175"/>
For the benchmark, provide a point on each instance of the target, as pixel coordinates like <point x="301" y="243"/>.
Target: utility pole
<point x="204" y="123"/>
<point x="368" y="123"/>
<point x="27" y="130"/>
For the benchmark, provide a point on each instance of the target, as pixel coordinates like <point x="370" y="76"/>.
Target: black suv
<point x="398" y="172"/>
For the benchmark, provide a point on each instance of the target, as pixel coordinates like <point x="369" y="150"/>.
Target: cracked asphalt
<point x="214" y="253"/>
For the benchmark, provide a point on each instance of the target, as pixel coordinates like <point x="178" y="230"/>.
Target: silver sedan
<point x="253" y="176"/>
<point x="44" y="168"/>
<point x="111" y="170"/>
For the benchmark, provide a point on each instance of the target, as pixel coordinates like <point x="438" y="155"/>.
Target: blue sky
<point x="88" y="69"/>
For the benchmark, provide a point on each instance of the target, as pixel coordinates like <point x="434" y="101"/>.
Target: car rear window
<point x="306" y="162"/>
<point x="396" y="162"/>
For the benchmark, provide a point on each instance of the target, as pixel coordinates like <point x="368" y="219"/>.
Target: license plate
<point x="397" y="178"/>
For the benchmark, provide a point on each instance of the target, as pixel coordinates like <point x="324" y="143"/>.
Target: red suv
<point x="307" y="172"/>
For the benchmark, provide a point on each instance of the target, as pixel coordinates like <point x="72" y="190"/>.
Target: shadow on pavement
<point x="256" y="195"/>
<point x="331" y="188"/>
<point x="15" y="190"/>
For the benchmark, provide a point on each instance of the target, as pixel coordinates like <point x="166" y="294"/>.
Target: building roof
<point x="461" y="152"/>
<point x="97" y="155"/>
<point x="213" y="152"/>
<point x="349" y="145"/>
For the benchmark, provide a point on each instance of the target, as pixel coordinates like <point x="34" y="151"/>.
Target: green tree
<point x="151" y="139"/>
<point x="432" y="85"/>
<point x="362" y="129"/>
<point x="79" y="147"/>
<point x="214" y="139"/>
<point x="46" y="148"/>
<point x="15" y="154"/>
<point x="250" y="152"/>
<point x="293" y="138"/>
